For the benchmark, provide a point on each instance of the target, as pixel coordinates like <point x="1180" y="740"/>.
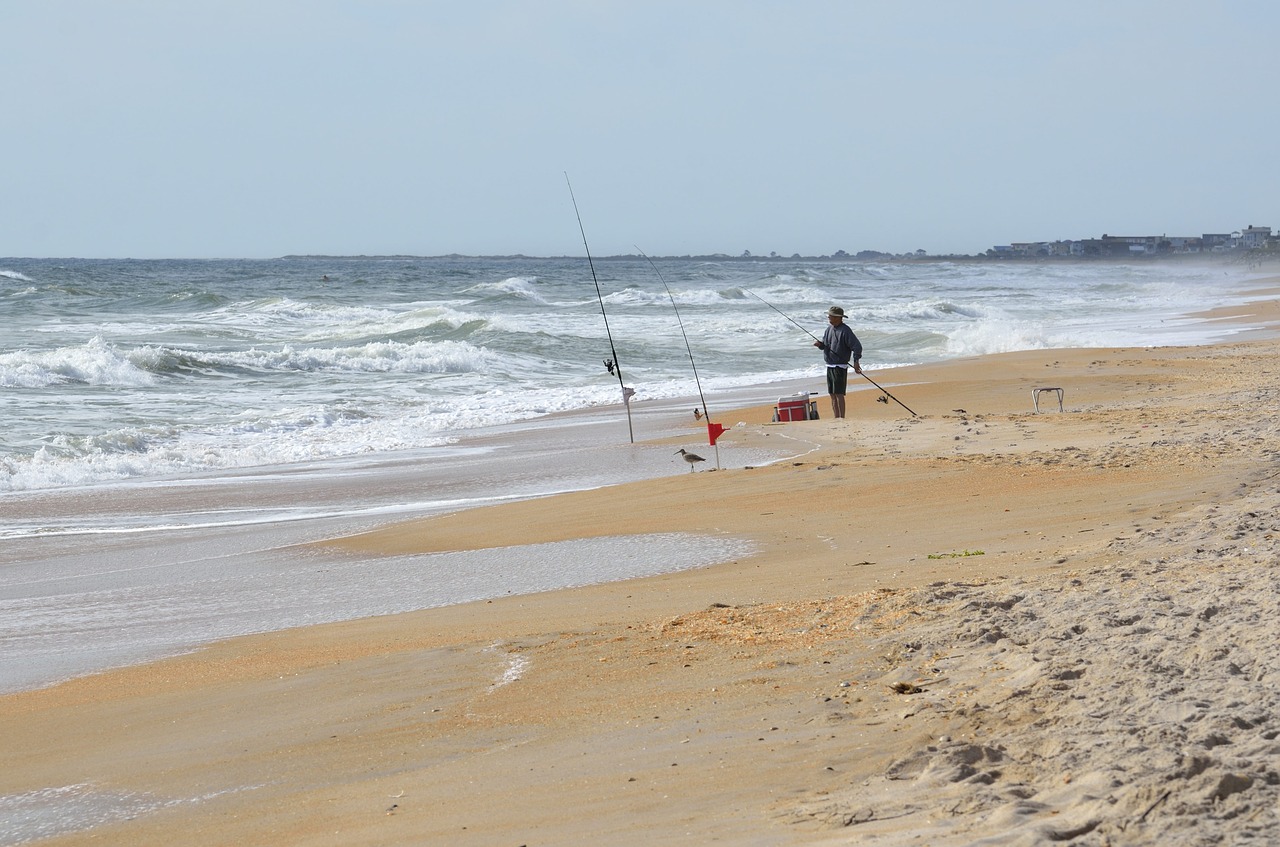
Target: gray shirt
<point x="839" y="344"/>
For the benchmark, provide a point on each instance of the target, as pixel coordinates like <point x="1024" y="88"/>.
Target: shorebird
<point x="691" y="458"/>
<point x="697" y="416"/>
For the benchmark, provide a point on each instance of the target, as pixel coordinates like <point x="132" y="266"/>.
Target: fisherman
<point x="839" y="345"/>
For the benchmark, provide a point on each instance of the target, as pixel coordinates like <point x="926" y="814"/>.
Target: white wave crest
<point x="290" y="313"/>
<point x="427" y="357"/>
<point x="996" y="336"/>
<point x="643" y="297"/>
<point x="915" y="310"/>
<point x="94" y="363"/>
<point x="519" y="286"/>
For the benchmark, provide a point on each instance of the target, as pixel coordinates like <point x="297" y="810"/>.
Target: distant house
<point x="1254" y="237"/>
<point x="1215" y="242"/>
<point x="1119" y="245"/>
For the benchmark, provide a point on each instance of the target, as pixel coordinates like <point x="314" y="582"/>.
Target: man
<point x="838" y="346"/>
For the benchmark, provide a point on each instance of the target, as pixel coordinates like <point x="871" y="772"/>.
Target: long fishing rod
<point x="784" y="314"/>
<point x="687" y="348"/>
<point x="613" y="364"/>
<point x="714" y="430"/>
<point x="819" y="340"/>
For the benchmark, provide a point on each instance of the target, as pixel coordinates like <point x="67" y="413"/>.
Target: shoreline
<point x="837" y="677"/>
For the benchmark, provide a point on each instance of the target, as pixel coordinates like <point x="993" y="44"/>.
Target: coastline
<point x="897" y="657"/>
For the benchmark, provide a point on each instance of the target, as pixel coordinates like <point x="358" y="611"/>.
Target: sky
<point x="261" y="128"/>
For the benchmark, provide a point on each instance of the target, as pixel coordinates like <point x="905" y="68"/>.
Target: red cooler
<point x="793" y="408"/>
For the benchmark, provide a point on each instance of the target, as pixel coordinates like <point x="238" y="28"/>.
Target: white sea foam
<point x="381" y="357"/>
<point x="659" y="297"/>
<point x="93" y="363"/>
<point x="523" y="287"/>
<point x="291" y="434"/>
<point x="50" y="812"/>
<point x="36" y="815"/>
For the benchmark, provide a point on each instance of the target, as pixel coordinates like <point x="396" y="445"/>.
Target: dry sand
<point x="984" y="625"/>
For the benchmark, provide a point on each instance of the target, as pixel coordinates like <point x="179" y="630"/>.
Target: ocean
<point x="118" y="370"/>
<point x="175" y="431"/>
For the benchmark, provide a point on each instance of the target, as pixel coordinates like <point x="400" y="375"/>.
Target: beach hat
<point x="835" y="312"/>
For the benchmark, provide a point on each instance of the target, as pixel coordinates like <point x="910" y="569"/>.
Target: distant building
<point x="1254" y="237"/>
<point x="1130" y="246"/>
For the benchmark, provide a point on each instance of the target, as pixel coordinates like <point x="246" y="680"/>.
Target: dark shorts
<point x="837" y="379"/>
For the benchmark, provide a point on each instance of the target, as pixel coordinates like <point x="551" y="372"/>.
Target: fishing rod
<point x="819" y="340"/>
<point x="613" y="364"/>
<point x="713" y="430"/>
<point x="784" y="314"/>
<point x="890" y="396"/>
<point x="687" y="348"/>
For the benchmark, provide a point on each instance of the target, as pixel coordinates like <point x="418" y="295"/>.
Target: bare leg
<point x="837" y="405"/>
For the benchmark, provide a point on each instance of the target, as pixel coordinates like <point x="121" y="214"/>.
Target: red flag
<point x="714" y="431"/>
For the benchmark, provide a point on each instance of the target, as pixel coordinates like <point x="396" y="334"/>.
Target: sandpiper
<point x="691" y="458"/>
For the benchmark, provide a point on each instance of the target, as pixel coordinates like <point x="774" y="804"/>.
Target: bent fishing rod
<point x="819" y="340"/>
<point x="713" y="430"/>
<point x="613" y="364"/>
<point x="683" y="334"/>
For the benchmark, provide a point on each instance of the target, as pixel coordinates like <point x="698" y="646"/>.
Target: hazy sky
<point x="166" y="128"/>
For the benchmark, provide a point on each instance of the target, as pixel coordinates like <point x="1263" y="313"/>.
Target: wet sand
<point x="982" y="623"/>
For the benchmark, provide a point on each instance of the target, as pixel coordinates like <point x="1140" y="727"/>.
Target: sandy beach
<point x="980" y="625"/>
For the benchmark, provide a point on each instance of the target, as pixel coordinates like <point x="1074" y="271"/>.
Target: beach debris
<point x="905" y="688"/>
<point x="691" y="458"/>
<point x="882" y="399"/>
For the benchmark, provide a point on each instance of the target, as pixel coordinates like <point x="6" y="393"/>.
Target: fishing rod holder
<point x="1035" y="397"/>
